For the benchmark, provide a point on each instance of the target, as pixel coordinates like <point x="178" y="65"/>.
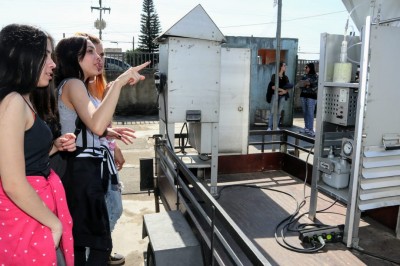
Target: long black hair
<point x="311" y="66"/>
<point x="285" y="78"/>
<point x="69" y="52"/>
<point x="280" y="66"/>
<point x="23" y="54"/>
<point x="44" y="101"/>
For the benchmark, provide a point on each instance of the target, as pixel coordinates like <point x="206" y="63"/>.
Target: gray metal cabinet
<point x="357" y="155"/>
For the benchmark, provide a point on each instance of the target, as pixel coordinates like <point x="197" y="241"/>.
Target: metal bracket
<point x="391" y="141"/>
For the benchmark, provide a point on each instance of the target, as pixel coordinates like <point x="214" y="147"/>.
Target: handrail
<point x="284" y="134"/>
<point x="169" y="159"/>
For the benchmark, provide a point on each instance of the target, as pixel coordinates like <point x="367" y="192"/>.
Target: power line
<point x="286" y="20"/>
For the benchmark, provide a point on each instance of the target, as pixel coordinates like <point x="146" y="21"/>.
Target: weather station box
<point x="193" y="70"/>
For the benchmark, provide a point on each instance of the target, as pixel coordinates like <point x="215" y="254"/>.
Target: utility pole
<point x="277" y="62"/>
<point x="100" y="24"/>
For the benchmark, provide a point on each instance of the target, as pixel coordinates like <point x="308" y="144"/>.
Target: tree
<point x="150" y="28"/>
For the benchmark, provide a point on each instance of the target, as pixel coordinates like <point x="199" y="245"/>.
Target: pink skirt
<point x="23" y="240"/>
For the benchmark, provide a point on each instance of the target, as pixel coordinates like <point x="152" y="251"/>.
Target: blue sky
<point x="302" y="19"/>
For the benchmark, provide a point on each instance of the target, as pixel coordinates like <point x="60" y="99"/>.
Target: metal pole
<point x="101" y="9"/>
<point x="101" y="21"/>
<point x="277" y="61"/>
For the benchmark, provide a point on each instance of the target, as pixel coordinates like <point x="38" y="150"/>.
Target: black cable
<point x="166" y="124"/>
<point x="205" y="158"/>
<point x="284" y="243"/>
<point x="315" y="248"/>
<point x="182" y="143"/>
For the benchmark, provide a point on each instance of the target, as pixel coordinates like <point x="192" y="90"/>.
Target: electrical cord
<point x="166" y="123"/>
<point x="204" y="157"/>
<point x="324" y="211"/>
<point x="316" y="246"/>
<point x="182" y="143"/>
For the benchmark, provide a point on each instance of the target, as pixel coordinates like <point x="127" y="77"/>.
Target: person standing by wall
<point x="33" y="212"/>
<point x="309" y="87"/>
<point x="283" y="94"/>
<point x="78" y="62"/>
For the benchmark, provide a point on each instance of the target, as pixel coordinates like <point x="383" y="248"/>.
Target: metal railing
<point x="136" y="58"/>
<point x="286" y="138"/>
<point x="209" y="218"/>
<point x="214" y="225"/>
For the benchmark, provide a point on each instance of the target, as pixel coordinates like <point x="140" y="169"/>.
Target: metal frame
<point x="204" y="216"/>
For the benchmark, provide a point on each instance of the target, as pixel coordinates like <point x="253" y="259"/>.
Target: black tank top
<point x="37" y="144"/>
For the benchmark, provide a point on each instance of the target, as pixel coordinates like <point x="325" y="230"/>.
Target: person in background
<point x="33" y="213"/>
<point x="308" y="95"/>
<point x="283" y="93"/>
<point x="113" y="157"/>
<point x="78" y="63"/>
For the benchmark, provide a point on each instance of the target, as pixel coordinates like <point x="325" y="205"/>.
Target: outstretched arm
<point x="75" y="96"/>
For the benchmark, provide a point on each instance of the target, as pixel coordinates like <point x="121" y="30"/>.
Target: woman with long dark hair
<point x="113" y="157"/>
<point x="283" y="93"/>
<point x="78" y="61"/>
<point x="33" y="212"/>
<point x="309" y="87"/>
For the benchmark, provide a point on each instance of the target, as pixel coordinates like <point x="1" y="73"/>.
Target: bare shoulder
<point x="12" y="108"/>
<point x="74" y="89"/>
<point x="74" y="83"/>
<point x="12" y="100"/>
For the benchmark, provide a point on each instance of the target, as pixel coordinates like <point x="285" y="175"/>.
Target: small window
<point x="268" y="56"/>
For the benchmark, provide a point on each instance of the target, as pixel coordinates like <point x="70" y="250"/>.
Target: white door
<point x="234" y="100"/>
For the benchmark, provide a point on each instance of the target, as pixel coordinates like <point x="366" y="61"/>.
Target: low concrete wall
<point x="140" y="99"/>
